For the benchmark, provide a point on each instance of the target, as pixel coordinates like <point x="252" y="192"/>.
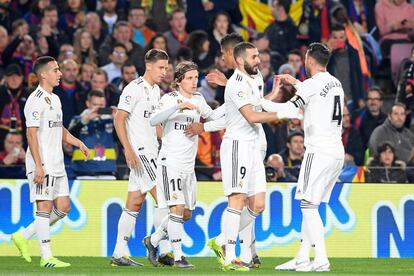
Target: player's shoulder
<point x="172" y="94"/>
<point x="134" y="85"/>
<point x="36" y="96"/>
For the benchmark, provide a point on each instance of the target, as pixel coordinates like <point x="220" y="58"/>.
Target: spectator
<point x="266" y="70"/>
<point x="13" y="95"/>
<point x="344" y="65"/>
<point x="410" y="169"/>
<point x="8" y="15"/>
<point x="208" y="90"/>
<point x="95" y="29"/>
<point x="51" y="19"/>
<point x="284" y="130"/>
<point x="295" y="59"/>
<point x="67" y="51"/>
<point x="361" y="14"/>
<point x="385" y="167"/>
<point x="100" y="82"/>
<point x="281" y="33"/>
<point x="406" y="88"/>
<point x="118" y="57"/>
<point x="72" y="19"/>
<point x="371" y="116"/>
<point x="159" y="41"/>
<point x="141" y="34"/>
<point x="315" y="24"/>
<point x="220" y="27"/>
<point x="128" y="74"/>
<point x="393" y="130"/>
<point x="109" y="15"/>
<point x="184" y="54"/>
<point x="160" y="11"/>
<point x="261" y="41"/>
<point x="293" y="153"/>
<point x="34" y="15"/>
<point x="83" y="46"/>
<point x="199" y="44"/>
<point x="122" y="35"/>
<point x="351" y="139"/>
<point x="94" y="126"/>
<point x="275" y="171"/>
<point x="395" y="21"/>
<point x="46" y="42"/>
<point x="86" y="73"/>
<point x="167" y="82"/>
<point x="177" y="35"/>
<point x="70" y="91"/>
<point x="12" y="158"/>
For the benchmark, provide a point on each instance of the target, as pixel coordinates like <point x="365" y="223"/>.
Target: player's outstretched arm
<point x="72" y="140"/>
<point x="34" y="149"/>
<point x="284" y="110"/>
<point x="257" y="117"/>
<point x="163" y="114"/>
<point x="120" y="128"/>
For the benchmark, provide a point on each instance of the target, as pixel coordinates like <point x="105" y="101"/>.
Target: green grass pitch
<point x="204" y="266"/>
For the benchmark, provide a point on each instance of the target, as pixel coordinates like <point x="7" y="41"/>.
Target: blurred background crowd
<point x="100" y="47"/>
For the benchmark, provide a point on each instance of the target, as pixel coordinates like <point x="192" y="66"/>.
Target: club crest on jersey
<point x="241" y="183"/>
<point x="241" y="94"/>
<point x="48" y="101"/>
<point x="35" y="115"/>
<point x="128" y="99"/>
<point x="174" y="196"/>
<point x="46" y="191"/>
<point x="178" y="102"/>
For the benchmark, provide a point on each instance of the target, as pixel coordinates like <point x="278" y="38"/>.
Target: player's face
<point x="158" y="70"/>
<point x="308" y="65"/>
<point x="228" y="58"/>
<point x="387" y="157"/>
<point x="397" y="116"/>
<point x="52" y="74"/>
<point x="189" y="82"/>
<point x="251" y="61"/>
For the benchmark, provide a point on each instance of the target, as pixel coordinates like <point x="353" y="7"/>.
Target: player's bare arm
<point x="72" y="140"/>
<point x="120" y="127"/>
<point x="257" y="117"/>
<point x="34" y="149"/>
<point x="216" y="77"/>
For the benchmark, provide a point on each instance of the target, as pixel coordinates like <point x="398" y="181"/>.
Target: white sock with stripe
<point x="30" y="230"/>
<point x="253" y="239"/>
<point x="161" y="232"/>
<point x="247" y="219"/>
<point x="126" y="225"/>
<point x="161" y="219"/>
<point x="175" y="232"/>
<point x="42" y="221"/>
<point x="232" y="219"/>
<point x="315" y="231"/>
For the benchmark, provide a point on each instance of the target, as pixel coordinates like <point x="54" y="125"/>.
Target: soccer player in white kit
<point x="139" y="139"/>
<point x="176" y="159"/>
<point x="322" y="98"/>
<point x="45" y="168"/>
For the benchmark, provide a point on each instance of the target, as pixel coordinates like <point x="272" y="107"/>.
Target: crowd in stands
<point x="100" y="46"/>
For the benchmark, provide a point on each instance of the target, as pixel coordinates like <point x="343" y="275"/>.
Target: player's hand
<point x="84" y="149"/>
<point x="132" y="160"/>
<point x="216" y="77"/>
<point x="275" y="89"/>
<point x="194" y="129"/>
<point x="288" y="79"/>
<point x="39" y="175"/>
<point x="186" y="105"/>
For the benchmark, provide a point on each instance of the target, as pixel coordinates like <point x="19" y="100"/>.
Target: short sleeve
<point x="33" y="111"/>
<point x="304" y="93"/>
<point x="131" y="94"/>
<point x="206" y="110"/>
<point x="240" y="94"/>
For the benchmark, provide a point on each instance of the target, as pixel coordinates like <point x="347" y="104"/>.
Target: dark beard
<point x="249" y="69"/>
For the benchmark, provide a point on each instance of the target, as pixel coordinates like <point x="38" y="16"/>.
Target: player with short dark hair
<point x="45" y="169"/>
<point x="322" y="99"/>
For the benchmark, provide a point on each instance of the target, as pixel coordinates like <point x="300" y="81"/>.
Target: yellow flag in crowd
<point x="256" y="16"/>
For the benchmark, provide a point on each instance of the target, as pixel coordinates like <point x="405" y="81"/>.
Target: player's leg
<point x="158" y="238"/>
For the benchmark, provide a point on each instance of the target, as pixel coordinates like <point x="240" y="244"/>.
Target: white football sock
<point x="247" y="219"/>
<point x="160" y="233"/>
<point x="305" y="244"/>
<point x="175" y="232"/>
<point x="126" y="225"/>
<point x="221" y="239"/>
<point x="161" y="214"/>
<point x="316" y="232"/>
<point x="42" y="221"/>
<point x="232" y="219"/>
<point x="253" y="239"/>
<point x="30" y="230"/>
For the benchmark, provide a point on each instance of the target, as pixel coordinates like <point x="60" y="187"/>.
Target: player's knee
<point x="187" y="214"/>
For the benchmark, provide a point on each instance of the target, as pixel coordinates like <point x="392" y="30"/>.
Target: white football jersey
<point x="140" y="99"/>
<point x="322" y="97"/>
<point x="241" y="90"/>
<point x="178" y="150"/>
<point x="43" y="110"/>
<point x="262" y="145"/>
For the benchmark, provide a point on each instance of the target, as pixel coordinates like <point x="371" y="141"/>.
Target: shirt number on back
<point x="337" y="111"/>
